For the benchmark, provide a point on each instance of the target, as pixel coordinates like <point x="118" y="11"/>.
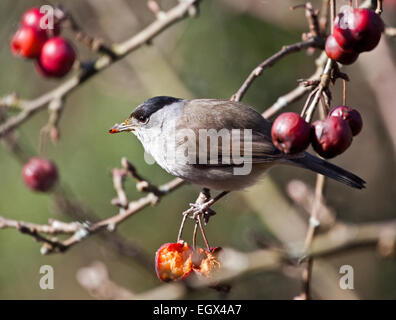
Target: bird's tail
<point x="329" y="170"/>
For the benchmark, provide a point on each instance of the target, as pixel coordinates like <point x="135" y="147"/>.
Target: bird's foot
<point x="202" y="208"/>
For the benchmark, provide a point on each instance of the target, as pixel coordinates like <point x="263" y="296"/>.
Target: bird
<point x="174" y="132"/>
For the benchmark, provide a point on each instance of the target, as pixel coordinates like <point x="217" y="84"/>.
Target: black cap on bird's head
<point x="143" y="112"/>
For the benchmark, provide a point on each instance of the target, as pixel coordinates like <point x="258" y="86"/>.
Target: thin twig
<point x="312" y="18"/>
<point x="53" y="227"/>
<point x="323" y="20"/>
<point x="324" y="83"/>
<point x="82" y="231"/>
<point x="314" y="219"/>
<point x="298" y="92"/>
<point x="333" y="9"/>
<point x="379" y="10"/>
<point x="314" y="42"/>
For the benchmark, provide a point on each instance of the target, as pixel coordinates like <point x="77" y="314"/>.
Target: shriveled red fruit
<point x="335" y="52"/>
<point x="40" y="174"/>
<point x="368" y="27"/>
<point x="290" y="132"/>
<point x="28" y="42"/>
<point x="350" y="115"/>
<point x="57" y="57"/>
<point x="331" y="136"/>
<point x="173" y="261"/>
<point x="343" y="23"/>
<point x="33" y="18"/>
<point x="206" y="262"/>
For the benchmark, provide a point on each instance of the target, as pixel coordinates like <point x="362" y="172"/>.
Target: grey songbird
<point x="217" y="144"/>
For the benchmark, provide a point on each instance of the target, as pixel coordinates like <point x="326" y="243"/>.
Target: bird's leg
<point x="195" y="208"/>
<point x="201" y="206"/>
<point x="206" y="193"/>
<point x="203" y="197"/>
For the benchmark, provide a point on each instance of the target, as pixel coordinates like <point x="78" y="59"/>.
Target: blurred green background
<point x="209" y="57"/>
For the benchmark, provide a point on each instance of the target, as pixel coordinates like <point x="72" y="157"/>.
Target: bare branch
<point x="298" y="92"/>
<point x="314" y="42"/>
<point x="111" y="223"/>
<point x="53" y="227"/>
<point x="30" y="107"/>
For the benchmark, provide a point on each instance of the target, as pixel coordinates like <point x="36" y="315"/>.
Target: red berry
<point x="331" y="137"/>
<point x="173" y="261"/>
<point x="33" y="18"/>
<point x="335" y="52"/>
<point x="40" y="174"/>
<point x="290" y="133"/>
<point x="367" y="29"/>
<point x="57" y="57"/>
<point x="28" y="42"/>
<point x="359" y="29"/>
<point x="352" y="116"/>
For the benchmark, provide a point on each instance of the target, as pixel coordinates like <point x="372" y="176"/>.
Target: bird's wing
<point x="235" y="131"/>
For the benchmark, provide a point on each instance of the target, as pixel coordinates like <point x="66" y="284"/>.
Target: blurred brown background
<point x="209" y="57"/>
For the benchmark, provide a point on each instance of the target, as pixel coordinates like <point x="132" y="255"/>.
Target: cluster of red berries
<point x="54" y="54"/>
<point x="176" y="261"/>
<point x="354" y="32"/>
<point x="40" y="174"/>
<point x="329" y="137"/>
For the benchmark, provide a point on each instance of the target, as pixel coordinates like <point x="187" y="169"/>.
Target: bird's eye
<point x="142" y="119"/>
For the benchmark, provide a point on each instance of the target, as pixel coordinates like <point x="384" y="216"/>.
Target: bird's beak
<point x="127" y="125"/>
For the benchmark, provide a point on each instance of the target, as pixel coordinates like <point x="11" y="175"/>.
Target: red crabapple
<point x="57" y="57"/>
<point x="367" y="29"/>
<point x="28" y="42"/>
<point x="359" y="29"/>
<point x="331" y="137"/>
<point x="290" y="133"/>
<point x="40" y="174"/>
<point x="350" y="115"/>
<point x="335" y="52"/>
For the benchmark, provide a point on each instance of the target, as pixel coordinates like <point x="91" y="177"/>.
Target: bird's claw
<point x="202" y="209"/>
